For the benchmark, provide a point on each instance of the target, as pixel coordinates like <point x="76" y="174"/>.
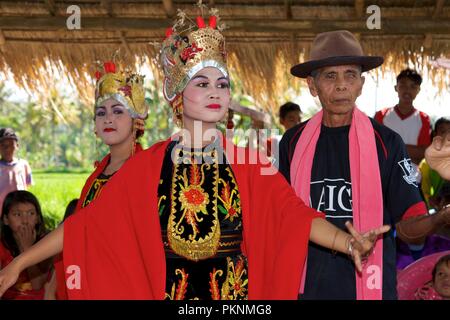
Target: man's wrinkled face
<point x="337" y="87"/>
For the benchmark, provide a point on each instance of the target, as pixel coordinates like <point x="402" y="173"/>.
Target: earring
<point x="230" y="123"/>
<point x="133" y="147"/>
<point x="97" y="152"/>
<point x="177" y="106"/>
<point x="138" y="125"/>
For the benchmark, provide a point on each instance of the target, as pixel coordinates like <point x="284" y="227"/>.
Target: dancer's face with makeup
<point x="113" y="123"/>
<point x="206" y="97"/>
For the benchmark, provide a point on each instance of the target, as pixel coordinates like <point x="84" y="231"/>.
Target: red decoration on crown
<point x="190" y="52"/>
<point x="200" y="22"/>
<point x="98" y="75"/>
<point x="109" y="67"/>
<point x="126" y="90"/>
<point x="213" y="22"/>
<point x="169" y="32"/>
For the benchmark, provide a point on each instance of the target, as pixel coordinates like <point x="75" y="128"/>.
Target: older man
<point x="351" y="168"/>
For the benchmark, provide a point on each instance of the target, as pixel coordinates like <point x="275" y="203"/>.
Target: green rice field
<point x="55" y="190"/>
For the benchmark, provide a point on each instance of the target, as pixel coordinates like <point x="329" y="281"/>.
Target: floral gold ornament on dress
<point x="124" y="87"/>
<point x="190" y="203"/>
<point x="179" y="293"/>
<point x="188" y="48"/>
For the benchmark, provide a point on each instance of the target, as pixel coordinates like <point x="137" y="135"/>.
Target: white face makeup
<point x="206" y="97"/>
<point x="113" y="123"/>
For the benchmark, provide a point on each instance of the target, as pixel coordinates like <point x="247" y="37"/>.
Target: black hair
<point x="440" y="121"/>
<point x="410" y="74"/>
<point x="70" y="209"/>
<point x="13" y="198"/>
<point x="8" y="133"/>
<point x="288" y="107"/>
<point x="443" y="260"/>
<point x="139" y="133"/>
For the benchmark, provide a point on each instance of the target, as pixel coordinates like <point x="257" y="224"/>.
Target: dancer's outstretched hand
<point x="361" y="245"/>
<point x="8" y="277"/>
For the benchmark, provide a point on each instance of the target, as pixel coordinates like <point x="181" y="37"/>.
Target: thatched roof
<point x="264" y="37"/>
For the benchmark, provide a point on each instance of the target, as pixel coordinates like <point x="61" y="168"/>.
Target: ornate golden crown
<point x="184" y="53"/>
<point x="124" y="87"/>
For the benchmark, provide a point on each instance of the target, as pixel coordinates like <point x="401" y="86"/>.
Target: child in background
<point x="22" y="225"/>
<point x="439" y="287"/>
<point x="290" y="115"/>
<point x="15" y="174"/>
<point x="431" y="180"/>
<point x="441" y="277"/>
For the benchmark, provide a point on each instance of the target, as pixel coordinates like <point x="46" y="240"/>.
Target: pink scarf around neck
<point x="367" y="199"/>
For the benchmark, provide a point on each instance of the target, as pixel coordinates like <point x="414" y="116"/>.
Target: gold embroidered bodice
<point x="201" y="223"/>
<point x="95" y="189"/>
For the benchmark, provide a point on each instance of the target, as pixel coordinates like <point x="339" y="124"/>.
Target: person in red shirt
<point x="411" y="124"/>
<point x="23" y="225"/>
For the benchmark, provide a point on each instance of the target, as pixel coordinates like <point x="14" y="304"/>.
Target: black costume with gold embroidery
<point x="95" y="188"/>
<point x="201" y="225"/>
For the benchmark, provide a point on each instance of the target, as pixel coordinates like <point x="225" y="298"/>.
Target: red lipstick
<point x="213" y="106"/>
<point x="109" y="130"/>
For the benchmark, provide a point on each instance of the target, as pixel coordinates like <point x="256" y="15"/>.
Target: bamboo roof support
<point x="169" y="8"/>
<point x="288" y="9"/>
<point x="107" y="6"/>
<point x="2" y="42"/>
<point x="359" y="8"/>
<point x="51" y="7"/>
<point x="438" y="8"/>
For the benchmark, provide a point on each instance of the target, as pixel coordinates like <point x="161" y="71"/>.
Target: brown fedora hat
<point x="335" y="48"/>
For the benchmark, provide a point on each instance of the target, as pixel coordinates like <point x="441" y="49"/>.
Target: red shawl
<point x="115" y="246"/>
<point x="61" y="293"/>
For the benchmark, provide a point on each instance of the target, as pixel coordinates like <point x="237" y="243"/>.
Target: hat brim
<point x="367" y="63"/>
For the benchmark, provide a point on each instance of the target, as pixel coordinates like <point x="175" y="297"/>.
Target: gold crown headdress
<point x="186" y="52"/>
<point x="124" y="87"/>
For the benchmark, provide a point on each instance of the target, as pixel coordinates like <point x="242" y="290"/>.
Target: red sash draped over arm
<point x="116" y="240"/>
